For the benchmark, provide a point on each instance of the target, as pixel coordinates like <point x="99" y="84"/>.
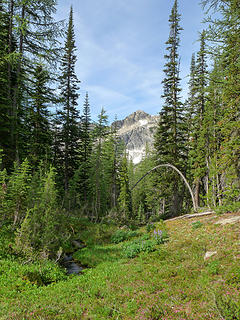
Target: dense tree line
<point x="200" y="136"/>
<point x="55" y="160"/>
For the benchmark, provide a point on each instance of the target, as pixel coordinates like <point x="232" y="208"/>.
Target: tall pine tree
<point x="5" y="106"/>
<point x="69" y="116"/>
<point x="39" y="133"/>
<point x="170" y="135"/>
<point x="199" y="140"/>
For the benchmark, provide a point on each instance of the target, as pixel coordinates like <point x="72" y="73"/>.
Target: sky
<point x="121" y="47"/>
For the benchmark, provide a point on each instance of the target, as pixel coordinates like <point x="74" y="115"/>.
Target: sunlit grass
<point x="173" y="282"/>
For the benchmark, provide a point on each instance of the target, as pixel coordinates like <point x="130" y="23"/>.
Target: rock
<point x="209" y="254"/>
<point x="230" y="220"/>
<point x="137" y="131"/>
<point x="67" y="258"/>
<point x="78" y="244"/>
<point x="73" y="268"/>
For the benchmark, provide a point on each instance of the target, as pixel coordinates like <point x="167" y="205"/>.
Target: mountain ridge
<point x="136" y="131"/>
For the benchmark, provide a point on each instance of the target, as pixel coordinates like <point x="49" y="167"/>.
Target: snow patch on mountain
<point x="137" y="130"/>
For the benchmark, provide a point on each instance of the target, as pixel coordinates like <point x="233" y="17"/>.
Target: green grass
<point x="172" y="283"/>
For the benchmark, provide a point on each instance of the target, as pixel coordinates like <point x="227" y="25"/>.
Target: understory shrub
<point x="160" y="236"/>
<point x="150" y="226"/>
<point x="17" y="277"/>
<point x="233" y="207"/>
<point x="133" y="248"/>
<point x="122" y="235"/>
<point x="197" y="225"/>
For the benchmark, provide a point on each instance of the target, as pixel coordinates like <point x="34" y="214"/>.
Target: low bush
<point x="16" y="277"/>
<point x="213" y="267"/>
<point x="197" y="225"/>
<point x="160" y="236"/>
<point x="122" y="235"/>
<point x="233" y="207"/>
<point x="150" y="226"/>
<point x="133" y="248"/>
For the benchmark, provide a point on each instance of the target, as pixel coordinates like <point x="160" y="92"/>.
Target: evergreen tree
<point x="170" y="135"/>
<point x="198" y="105"/>
<point x="37" y="35"/>
<point x="191" y="101"/>
<point x="85" y="150"/>
<point x="144" y="196"/>
<point x="226" y="26"/>
<point x="5" y="122"/>
<point x="211" y="134"/>
<point x="69" y="116"/>
<point x="31" y="36"/>
<point x="125" y="198"/>
<point x="40" y="140"/>
<point x="116" y="148"/>
<point x="98" y="181"/>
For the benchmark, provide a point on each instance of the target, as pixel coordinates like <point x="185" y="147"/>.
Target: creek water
<point x="71" y="266"/>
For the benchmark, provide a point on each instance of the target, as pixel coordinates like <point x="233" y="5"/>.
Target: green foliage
<point x="233" y="207"/>
<point x="69" y="115"/>
<point x="16" y="277"/>
<point x="170" y="135"/>
<point x="14" y="193"/>
<point x="40" y="227"/>
<point x="197" y="225"/>
<point x="6" y="241"/>
<point x="150" y="226"/>
<point x="228" y="307"/>
<point x="135" y="247"/>
<point x="170" y="282"/>
<point x="160" y="236"/>
<point x="122" y="235"/>
<point x="125" y="198"/>
<point x="39" y="133"/>
<point x="214" y="267"/>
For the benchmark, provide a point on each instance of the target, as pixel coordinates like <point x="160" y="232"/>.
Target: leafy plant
<point x="122" y="235"/>
<point x="132" y="249"/>
<point x="197" y="224"/>
<point x="160" y="236"/>
<point x="213" y="267"/>
<point x="150" y="226"/>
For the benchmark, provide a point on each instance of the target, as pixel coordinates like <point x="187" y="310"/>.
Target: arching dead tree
<point x="179" y="172"/>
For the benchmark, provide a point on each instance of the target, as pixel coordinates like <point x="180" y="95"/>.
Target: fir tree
<point x="98" y="181"/>
<point x="5" y="106"/>
<point x="85" y="149"/>
<point x="227" y="27"/>
<point x="198" y="105"/>
<point x="69" y="115"/>
<point x="125" y="198"/>
<point x="31" y="22"/>
<point x="40" y="140"/>
<point x="170" y="135"/>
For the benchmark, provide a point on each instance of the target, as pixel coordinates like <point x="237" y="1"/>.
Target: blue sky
<point x="121" y="47"/>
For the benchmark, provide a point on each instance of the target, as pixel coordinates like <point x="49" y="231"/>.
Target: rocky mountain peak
<point x="137" y="131"/>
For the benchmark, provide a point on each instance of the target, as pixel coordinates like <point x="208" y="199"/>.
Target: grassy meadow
<point x="155" y="272"/>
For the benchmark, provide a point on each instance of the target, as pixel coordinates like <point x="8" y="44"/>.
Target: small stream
<point x="71" y="266"/>
<point x="68" y="261"/>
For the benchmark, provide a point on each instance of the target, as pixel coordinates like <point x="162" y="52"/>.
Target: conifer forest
<point x="66" y="178"/>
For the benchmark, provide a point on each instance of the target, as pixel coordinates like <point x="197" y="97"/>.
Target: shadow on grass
<point x="94" y="255"/>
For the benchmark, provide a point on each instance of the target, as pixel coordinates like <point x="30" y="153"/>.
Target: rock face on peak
<point x="137" y="130"/>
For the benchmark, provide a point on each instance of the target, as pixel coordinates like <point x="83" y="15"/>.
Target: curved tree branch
<point x="179" y="172"/>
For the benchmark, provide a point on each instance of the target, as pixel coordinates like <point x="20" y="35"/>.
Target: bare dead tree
<point x="195" y="207"/>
